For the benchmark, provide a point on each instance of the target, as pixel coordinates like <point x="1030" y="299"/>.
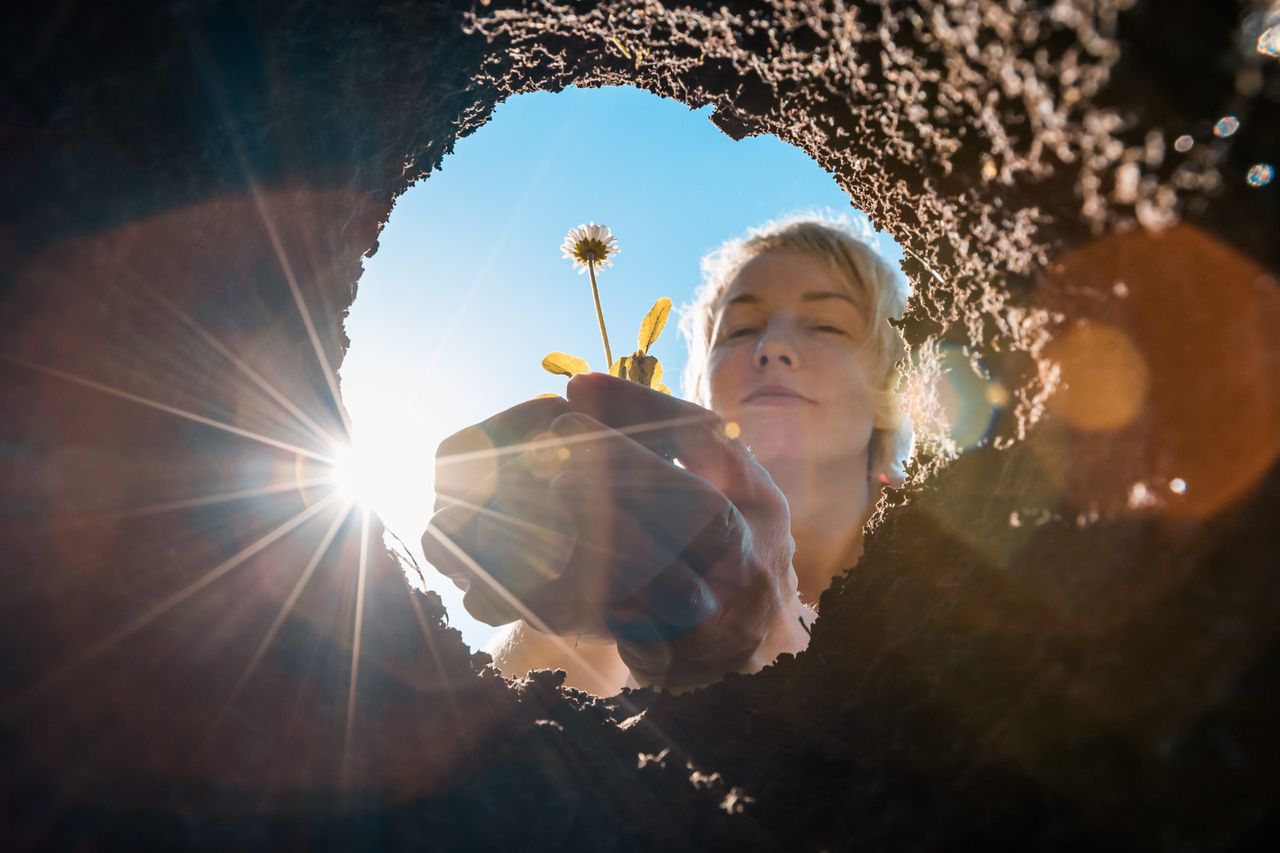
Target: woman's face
<point x="787" y="362"/>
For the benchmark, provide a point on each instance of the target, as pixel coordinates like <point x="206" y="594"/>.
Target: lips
<point x="776" y="395"/>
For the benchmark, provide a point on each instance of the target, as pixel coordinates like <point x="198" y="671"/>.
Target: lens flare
<point x="1226" y="126"/>
<point x="1105" y="377"/>
<point x="1260" y="174"/>
<point x="971" y="399"/>
<point x="1269" y="42"/>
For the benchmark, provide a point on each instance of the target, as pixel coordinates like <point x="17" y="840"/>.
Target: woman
<point x="632" y="538"/>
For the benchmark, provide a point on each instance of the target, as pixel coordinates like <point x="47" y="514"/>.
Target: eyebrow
<point x="826" y="294"/>
<point x="814" y="296"/>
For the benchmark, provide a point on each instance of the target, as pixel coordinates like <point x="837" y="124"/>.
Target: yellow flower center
<point x="591" y="249"/>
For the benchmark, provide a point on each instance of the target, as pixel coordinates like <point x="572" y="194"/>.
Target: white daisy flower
<point x="589" y="245"/>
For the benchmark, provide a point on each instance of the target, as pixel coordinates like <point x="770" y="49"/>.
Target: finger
<point x="502" y="560"/>
<point x="468" y="457"/>
<point x="604" y="463"/>
<point x="440" y="547"/>
<point x="637" y="516"/>
<point x="441" y="528"/>
<point x="673" y="632"/>
<point x="644" y="577"/>
<point x="509" y="490"/>
<point x="613" y="556"/>
<point x="608" y="474"/>
<point x="676" y="550"/>
<point x="677" y="601"/>
<point x="672" y="428"/>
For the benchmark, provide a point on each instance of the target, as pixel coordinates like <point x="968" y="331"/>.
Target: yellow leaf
<point x="545" y="396"/>
<point x="651" y="325"/>
<point x="563" y="364"/>
<point x="663" y="388"/>
<point x="638" y="367"/>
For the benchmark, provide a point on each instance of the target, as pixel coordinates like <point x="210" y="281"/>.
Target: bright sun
<point x="355" y="478"/>
<point x="388" y="464"/>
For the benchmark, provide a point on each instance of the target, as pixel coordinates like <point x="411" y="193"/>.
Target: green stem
<point x="604" y="336"/>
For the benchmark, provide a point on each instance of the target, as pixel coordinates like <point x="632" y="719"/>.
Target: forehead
<point x="782" y="277"/>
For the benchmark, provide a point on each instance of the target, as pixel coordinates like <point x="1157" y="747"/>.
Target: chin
<point x="777" y="438"/>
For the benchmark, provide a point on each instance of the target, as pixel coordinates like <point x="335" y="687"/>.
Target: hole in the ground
<point x="468" y="291"/>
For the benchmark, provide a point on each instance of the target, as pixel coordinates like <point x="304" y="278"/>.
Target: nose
<point x="776" y="346"/>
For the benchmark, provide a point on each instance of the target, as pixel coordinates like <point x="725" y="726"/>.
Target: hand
<point x="698" y="557"/>
<point x="497" y="534"/>
<point x="596" y="529"/>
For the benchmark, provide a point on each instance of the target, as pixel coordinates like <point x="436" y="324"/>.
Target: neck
<point x="827" y="515"/>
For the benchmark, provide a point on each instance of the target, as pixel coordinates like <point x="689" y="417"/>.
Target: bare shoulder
<point x="590" y="665"/>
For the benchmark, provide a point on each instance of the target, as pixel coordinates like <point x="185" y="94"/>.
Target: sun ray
<point x="330" y="375"/>
<point x="195" y="528"/>
<point x="357" y="632"/>
<point x="442" y="673"/>
<point x="172" y="410"/>
<point x="244" y="367"/>
<point x="105" y="644"/>
<point x="222" y="497"/>
<point x="181" y="362"/>
<point x="629" y="707"/>
<point x="546" y="443"/>
<point x="219" y="96"/>
<point x="302" y="681"/>
<point x="285" y="609"/>
<point x="515" y="604"/>
<point x="507" y="517"/>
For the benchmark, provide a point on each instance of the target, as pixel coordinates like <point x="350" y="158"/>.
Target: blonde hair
<point x="879" y="291"/>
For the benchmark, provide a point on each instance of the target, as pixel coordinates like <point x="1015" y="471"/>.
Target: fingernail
<point x="589" y="382"/>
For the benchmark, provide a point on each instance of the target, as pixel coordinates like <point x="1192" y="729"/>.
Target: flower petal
<point x="590" y="244"/>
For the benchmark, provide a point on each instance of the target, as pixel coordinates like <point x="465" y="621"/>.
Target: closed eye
<point x="829" y="329"/>
<point x="740" y="332"/>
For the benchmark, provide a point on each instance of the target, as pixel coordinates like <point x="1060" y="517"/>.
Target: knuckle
<point x="571" y="422"/>
<point x="578" y="384"/>
<point x="545" y="457"/>
<point x="464" y="440"/>
<point x="564" y="487"/>
<point x="517" y="423"/>
<point x="450" y="520"/>
<point x="463" y="460"/>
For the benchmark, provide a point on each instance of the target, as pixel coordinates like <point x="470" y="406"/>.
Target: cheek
<point x="848" y="378"/>
<point x="726" y="376"/>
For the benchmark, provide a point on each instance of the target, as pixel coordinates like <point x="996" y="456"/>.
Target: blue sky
<point x="468" y="290"/>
